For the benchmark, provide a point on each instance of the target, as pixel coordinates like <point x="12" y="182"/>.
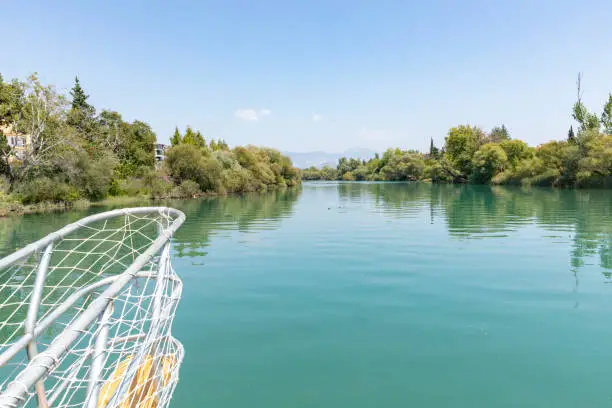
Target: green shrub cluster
<point x="218" y="169"/>
<point x="471" y="155"/>
<point x="74" y="153"/>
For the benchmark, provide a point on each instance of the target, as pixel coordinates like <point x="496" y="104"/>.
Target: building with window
<point x="18" y="142"/>
<point x="160" y="152"/>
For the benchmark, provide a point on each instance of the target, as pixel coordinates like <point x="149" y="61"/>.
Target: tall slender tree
<point x="586" y="119"/>
<point x="571" y="137"/>
<point x="606" y="116"/>
<point x="434" y="152"/>
<point x="176" y="138"/>
<point x="5" y="152"/>
<point x="79" y="97"/>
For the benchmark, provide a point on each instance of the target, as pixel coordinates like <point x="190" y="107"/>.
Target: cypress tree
<point x="176" y="138"/>
<point x="79" y="97"/>
<point x="571" y="137"/>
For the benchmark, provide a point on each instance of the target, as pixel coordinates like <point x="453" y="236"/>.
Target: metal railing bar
<point x="44" y="324"/>
<point x="32" y="317"/>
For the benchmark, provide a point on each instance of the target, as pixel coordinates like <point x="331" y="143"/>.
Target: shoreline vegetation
<point x="71" y="156"/>
<point x="471" y="155"/>
<point x="64" y="154"/>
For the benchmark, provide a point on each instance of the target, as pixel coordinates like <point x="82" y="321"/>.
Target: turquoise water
<point x="366" y="295"/>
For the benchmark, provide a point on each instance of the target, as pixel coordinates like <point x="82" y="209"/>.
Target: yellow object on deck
<point x="144" y="388"/>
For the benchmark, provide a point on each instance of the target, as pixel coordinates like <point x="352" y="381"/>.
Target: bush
<point x="238" y="180"/>
<point x="489" y="160"/>
<point x="348" y="176"/>
<point x="361" y="173"/>
<point x="516" y="150"/>
<point x="189" y="188"/>
<point x="376" y="177"/>
<point x="46" y="189"/>
<point x="97" y="179"/>
<point x="185" y="162"/>
<point x="160" y="188"/>
<point x="5" y="185"/>
<point x="546" y="179"/>
<point x="404" y="166"/>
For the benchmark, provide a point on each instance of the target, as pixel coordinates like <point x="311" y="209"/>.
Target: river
<point x="389" y="294"/>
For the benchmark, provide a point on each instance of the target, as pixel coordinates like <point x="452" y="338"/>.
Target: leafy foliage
<point x="499" y="134"/>
<point x="75" y="152"/>
<point x="461" y="144"/>
<point x="582" y="159"/>
<point x="488" y="161"/>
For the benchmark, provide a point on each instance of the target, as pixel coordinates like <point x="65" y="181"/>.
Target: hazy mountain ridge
<point x="303" y="160"/>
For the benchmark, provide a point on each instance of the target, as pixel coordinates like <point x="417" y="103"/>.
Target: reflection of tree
<point x="391" y="198"/>
<point x="19" y="231"/>
<point x="69" y="270"/>
<point x="582" y="213"/>
<point x="481" y="211"/>
<point x="241" y="212"/>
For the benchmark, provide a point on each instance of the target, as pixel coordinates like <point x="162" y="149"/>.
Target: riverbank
<point x="11" y="207"/>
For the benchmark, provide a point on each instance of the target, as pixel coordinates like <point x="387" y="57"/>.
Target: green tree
<point x="598" y="161"/>
<point x="11" y="101"/>
<point x="606" y="116"/>
<point x="348" y="176"/>
<point x="329" y="173"/>
<point x="571" y="137"/>
<point x="183" y="162"/>
<point x="346" y="165"/>
<point x="5" y="152"/>
<point x="499" y="134"/>
<point x="488" y="161"/>
<point x="586" y="120"/>
<point x="41" y="119"/>
<point x="216" y="145"/>
<point x="434" y="152"/>
<point x="79" y="97"/>
<point x="176" y="138"/>
<point x="407" y="166"/>
<point x="82" y="116"/>
<point x="136" y="150"/>
<point x="461" y="144"/>
<point x="516" y="150"/>
<point x="194" y="138"/>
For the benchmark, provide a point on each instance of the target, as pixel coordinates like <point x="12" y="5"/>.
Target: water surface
<point x="383" y="294"/>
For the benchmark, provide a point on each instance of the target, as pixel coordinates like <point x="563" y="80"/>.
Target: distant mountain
<point x="320" y="159"/>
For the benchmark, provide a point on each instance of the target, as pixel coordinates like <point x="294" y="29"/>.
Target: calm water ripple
<point x="389" y="294"/>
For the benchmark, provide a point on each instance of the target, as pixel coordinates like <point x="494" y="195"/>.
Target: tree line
<point x="75" y="152"/>
<point x="471" y="155"/>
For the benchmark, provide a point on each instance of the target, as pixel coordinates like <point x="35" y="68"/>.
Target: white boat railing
<point x="86" y="314"/>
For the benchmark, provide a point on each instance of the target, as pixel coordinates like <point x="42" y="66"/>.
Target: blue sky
<point x="321" y="75"/>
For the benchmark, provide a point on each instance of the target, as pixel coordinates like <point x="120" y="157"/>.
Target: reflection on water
<point x="375" y="294"/>
<point x="480" y="212"/>
<point x="243" y="213"/>
<point x="470" y="212"/>
<point x="204" y="217"/>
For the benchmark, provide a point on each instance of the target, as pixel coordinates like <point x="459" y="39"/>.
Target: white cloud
<point x="252" y="115"/>
<point x="316" y="117"/>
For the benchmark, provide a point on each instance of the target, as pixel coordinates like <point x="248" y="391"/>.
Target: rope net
<point x="127" y="356"/>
